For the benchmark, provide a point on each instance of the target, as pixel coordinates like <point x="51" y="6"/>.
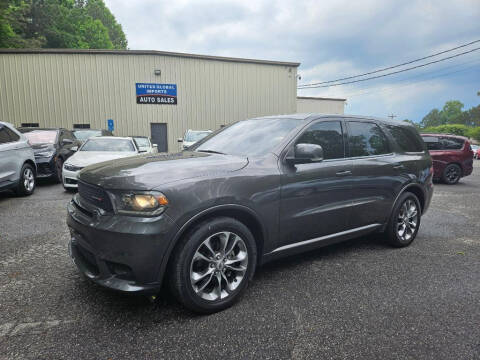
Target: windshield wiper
<point x="211" y="152"/>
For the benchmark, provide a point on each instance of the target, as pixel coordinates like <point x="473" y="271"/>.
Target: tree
<point x="59" y="24"/>
<point x="451" y="112"/>
<point x="433" y="118"/>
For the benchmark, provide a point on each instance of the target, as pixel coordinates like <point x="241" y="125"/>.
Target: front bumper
<point x="45" y="167"/>
<point x="70" y="178"/>
<point x="123" y="253"/>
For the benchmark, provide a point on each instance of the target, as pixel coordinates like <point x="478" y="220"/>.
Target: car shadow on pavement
<point x="164" y="307"/>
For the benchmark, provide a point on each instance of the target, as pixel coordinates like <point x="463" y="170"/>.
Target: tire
<point x="403" y="218"/>
<point x="194" y="258"/>
<point x="59" y="170"/>
<point x="27" y="181"/>
<point x="451" y="174"/>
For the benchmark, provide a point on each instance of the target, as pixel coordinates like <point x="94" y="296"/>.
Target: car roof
<point x="43" y="129"/>
<point x="314" y="116"/>
<point x="445" y="135"/>
<point x="112" y="138"/>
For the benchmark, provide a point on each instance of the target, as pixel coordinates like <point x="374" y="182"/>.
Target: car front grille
<point x="95" y="195"/>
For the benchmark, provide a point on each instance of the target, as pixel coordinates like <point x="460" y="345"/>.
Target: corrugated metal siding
<point x="322" y="106"/>
<point x="59" y="90"/>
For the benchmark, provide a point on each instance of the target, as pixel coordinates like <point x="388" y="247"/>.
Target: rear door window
<point x="432" y="142"/>
<point x="406" y="138"/>
<point x="327" y="134"/>
<point x="366" y="139"/>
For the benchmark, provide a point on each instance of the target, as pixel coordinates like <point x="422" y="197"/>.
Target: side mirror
<point x="67" y="141"/>
<point x="180" y="140"/>
<point x="74" y="148"/>
<point x="305" y="154"/>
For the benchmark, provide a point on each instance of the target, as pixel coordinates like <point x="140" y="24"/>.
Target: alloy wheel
<point x="28" y="179"/>
<point x="219" y="266"/>
<point x="407" y="221"/>
<point x="452" y="174"/>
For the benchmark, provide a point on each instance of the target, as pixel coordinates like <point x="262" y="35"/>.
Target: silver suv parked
<point x="17" y="161"/>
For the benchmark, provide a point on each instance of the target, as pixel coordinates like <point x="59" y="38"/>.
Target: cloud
<point x="330" y="38"/>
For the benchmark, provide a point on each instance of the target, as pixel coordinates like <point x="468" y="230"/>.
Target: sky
<point x="331" y="40"/>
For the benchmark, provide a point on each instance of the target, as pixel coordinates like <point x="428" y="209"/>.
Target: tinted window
<point x="4" y="137"/>
<point x="328" y="135"/>
<point x="366" y="139"/>
<point x="406" y="139"/>
<point x="432" y="142"/>
<point x="13" y="136"/>
<point x="250" y="137"/>
<point x="448" y="143"/>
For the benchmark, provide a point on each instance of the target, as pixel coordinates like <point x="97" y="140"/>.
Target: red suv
<point x="452" y="156"/>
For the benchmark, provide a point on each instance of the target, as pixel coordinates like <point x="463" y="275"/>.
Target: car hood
<point x="148" y="171"/>
<point x="85" y="158"/>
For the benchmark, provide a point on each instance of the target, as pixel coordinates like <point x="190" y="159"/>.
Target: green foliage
<point x="433" y="118"/>
<point x="451" y="112"/>
<point x="87" y="24"/>
<point x="475" y="133"/>
<point x="455" y="129"/>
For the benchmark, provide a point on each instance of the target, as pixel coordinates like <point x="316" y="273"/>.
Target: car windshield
<point x="142" y="142"/>
<point x="86" y="134"/>
<point x="249" y="137"/>
<point x="41" y="136"/>
<point x="193" y="136"/>
<point x="116" y="145"/>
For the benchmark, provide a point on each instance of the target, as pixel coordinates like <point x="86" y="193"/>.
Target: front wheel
<point x="26" y="183"/>
<point x="213" y="265"/>
<point x="404" y="221"/>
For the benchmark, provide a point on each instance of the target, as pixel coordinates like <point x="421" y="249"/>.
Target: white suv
<point x="17" y="161"/>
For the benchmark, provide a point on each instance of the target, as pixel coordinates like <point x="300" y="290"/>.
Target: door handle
<point x="398" y="166"/>
<point x="344" y="173"/>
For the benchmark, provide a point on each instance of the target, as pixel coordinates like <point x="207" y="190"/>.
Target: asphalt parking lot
<point x="357" y="300"/>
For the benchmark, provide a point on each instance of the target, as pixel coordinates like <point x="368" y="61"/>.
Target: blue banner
<point x="160" y="94"/>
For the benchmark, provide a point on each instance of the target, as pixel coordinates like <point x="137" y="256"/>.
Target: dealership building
<point x="151" y="93"/>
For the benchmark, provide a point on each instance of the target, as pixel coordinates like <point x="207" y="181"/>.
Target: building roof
<point x="319" y="98"/>
<point x="146" y="52"/>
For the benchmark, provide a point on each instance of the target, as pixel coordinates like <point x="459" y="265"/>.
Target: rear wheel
<point x="213" y="265"/>
<point x="26" y="183"/>
<point x="404" y="221"/>
<point x="452" y="174"/>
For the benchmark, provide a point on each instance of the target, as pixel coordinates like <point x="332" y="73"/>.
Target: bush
<point x="475" y="133"/>
<point x="455" y="129"/>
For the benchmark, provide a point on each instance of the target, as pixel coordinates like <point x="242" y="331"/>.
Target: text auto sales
<point x="156" y="93"/>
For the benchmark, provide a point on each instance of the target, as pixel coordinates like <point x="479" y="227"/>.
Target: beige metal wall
<point x="59" y="90"/>
<point x="320" y="105"/>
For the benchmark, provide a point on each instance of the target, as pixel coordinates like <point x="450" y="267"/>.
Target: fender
<point x="184" y="227"/>
<point x="405" y="188"/>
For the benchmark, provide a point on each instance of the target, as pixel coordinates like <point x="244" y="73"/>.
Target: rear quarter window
<point x="451" y="143"/>
<point x="406" y="138"/>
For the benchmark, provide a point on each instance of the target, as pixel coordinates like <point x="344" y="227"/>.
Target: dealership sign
<point x="156" y="93"/>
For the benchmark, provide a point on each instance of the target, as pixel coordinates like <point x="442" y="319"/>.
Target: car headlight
<point x="71" y="167"/>
<point x="45" y="154"/>
<point x="151" y="203"/>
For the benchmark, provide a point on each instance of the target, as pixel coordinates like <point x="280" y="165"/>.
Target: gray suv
<point x="254" y="191"/>
<point x="17" y="161"/>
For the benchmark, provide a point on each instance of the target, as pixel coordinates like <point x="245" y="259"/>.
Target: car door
<point x="316" y="197"/>
<point x="376" y="173"/>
